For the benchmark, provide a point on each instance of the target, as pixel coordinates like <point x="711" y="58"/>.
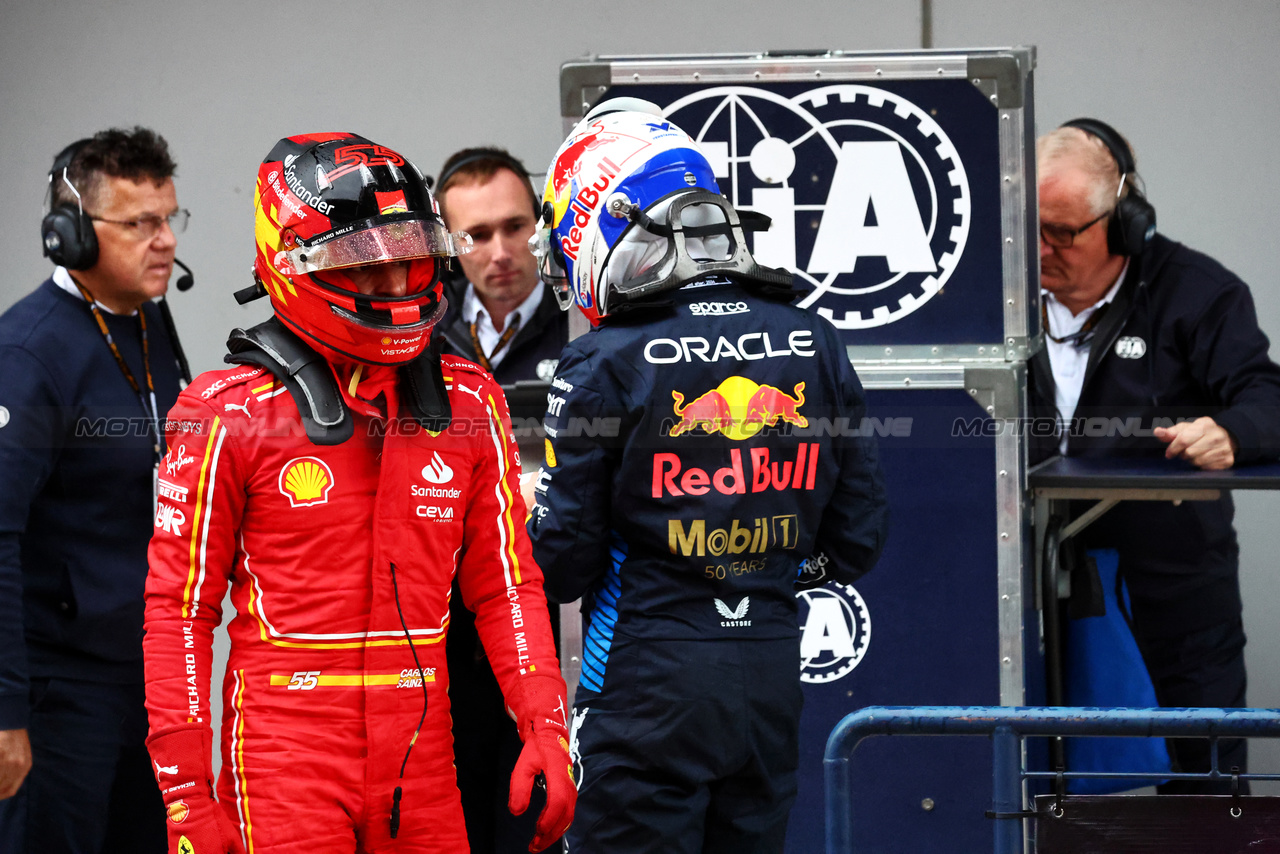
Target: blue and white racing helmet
<point x="631" y="209"/>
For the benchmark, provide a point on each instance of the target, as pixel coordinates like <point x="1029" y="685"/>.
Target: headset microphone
<point x="184" y="283"/>
<point x="186" y="280"/>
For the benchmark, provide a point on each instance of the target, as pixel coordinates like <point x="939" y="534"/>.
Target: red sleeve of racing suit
<point x="496" y="572"/>
<point x="200" y="502"/>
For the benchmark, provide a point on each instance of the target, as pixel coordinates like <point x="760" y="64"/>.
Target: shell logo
<point x="177" y="812"/>
<point x="306" y="481"/>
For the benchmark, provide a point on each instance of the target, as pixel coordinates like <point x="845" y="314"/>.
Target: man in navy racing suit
<point x="702" y="443"/>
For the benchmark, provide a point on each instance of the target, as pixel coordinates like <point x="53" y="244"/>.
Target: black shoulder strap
<point x="315" y="392"/>
<point x="301" y="370"/>
<point x="423" y="383"/>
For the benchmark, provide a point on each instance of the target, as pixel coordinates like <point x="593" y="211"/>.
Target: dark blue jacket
<point x="538" y="342"/>
<point x="76" y="512"/>
<point x="1180" y="341"/>
<point x="675" y="518"/>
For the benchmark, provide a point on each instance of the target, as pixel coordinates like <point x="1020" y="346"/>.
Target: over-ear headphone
<point x="491" y="154"/>
<point x="1133" y="222"/>
<point x="67" y="231"/>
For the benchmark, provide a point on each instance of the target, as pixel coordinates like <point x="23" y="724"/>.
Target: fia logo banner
<point x="835" y="632"/>
<point x="869" y="200"/>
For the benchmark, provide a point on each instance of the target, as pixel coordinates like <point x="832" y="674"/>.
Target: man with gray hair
<point x="1141" y="326"/>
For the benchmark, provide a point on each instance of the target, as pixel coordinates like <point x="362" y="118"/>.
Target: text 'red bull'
<point x="567" y="166"/>
<point x="672" y="479"/>
<point x="582" y="205"/>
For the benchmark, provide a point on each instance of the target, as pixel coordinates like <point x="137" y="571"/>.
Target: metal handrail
<point x="1007" y="726"/>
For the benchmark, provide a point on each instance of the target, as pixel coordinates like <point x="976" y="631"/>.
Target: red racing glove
<point x="543" y="724"/>
<point x="196" y="823"/>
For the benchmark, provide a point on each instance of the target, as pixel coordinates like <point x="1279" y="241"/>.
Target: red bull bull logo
<point x="769" y="405"/>
<point x="567" y="165"/>
<point x="579" y="179"/>
<point x="710" y="411"/>
<point x="739" y="408"/>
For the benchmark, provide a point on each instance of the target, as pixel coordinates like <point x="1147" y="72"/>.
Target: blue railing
<point x="1007" y="726"/>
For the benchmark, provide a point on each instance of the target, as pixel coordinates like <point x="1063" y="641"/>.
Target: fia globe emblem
<point x="835" y="632"/>
<point x="869" y="199"/>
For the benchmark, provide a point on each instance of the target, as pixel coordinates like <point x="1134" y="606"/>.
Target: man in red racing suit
<point x="340" y="557"/>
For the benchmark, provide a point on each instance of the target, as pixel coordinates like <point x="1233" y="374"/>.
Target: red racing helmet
<point x="327" y="202"/>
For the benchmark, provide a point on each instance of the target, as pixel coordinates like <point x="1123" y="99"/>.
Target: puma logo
<point x="243" y="407"/>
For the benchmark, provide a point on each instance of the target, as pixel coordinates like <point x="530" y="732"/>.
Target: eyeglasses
<point x="1063" y="237"/>
<point x="147" y="226"/>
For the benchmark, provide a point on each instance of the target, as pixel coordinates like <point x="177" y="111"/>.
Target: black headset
<point x="495" y="155"/>
<point x="1133" y="222"/>
<point x="67" y="231"/>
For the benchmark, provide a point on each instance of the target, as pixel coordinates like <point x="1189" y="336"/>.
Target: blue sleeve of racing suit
<point x="29" y="447"/>
<point x="570" y="521"/>
<point x="855" y="521"/>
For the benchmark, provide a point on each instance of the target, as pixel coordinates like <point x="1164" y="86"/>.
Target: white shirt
<point x="62" y="278"/>
<point x="1067" y="358"/>
<point x="473" y="311"/>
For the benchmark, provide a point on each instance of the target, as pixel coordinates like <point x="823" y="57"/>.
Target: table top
<point x="1146" y="473"/>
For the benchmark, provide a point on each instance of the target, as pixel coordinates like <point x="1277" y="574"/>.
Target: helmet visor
<point x="551" y="269"/>
<point x="389" y="241"/>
